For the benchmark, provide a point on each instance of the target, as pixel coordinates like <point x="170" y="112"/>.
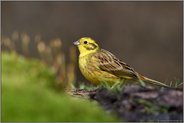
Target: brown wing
<point x="109" y="63"/>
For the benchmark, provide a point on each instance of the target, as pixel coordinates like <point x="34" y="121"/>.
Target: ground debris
<point x="136" y="103"/>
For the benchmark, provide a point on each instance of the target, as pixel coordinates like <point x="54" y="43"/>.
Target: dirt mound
<point x="135" y="103"/>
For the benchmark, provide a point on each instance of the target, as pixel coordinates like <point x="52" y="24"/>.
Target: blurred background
<point x="146" y="35"/>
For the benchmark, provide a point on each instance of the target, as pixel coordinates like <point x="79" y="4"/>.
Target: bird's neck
<point x="88" y="52"/>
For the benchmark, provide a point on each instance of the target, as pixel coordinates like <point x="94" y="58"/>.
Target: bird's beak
<point x="76" y="43"/>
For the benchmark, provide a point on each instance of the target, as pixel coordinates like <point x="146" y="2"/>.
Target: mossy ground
<point x="136" y="103"/>
<point x="28" y="95"/>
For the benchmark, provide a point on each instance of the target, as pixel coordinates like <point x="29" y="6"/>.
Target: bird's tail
<point x="151" y="81"/>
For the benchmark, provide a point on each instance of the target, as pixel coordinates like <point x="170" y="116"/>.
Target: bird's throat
<point x="87" y="52"/>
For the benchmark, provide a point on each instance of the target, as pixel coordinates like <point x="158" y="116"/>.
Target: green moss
<point x="150" y="107"/>
<point x="27" y="96"/>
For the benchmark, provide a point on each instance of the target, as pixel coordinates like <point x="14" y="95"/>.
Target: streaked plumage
<point x="99" y="65"/>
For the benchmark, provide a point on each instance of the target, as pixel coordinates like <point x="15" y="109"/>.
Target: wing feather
<point x="110" y="63"/>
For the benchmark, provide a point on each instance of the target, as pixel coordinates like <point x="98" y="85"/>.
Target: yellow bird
<point x="99" y="65"/>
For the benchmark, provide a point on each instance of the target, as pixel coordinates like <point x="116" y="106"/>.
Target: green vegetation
<point x="150" y="107"/>
<point x="28" y="95"/>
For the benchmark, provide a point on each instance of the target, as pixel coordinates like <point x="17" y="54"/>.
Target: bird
<point x="99" y="65"/>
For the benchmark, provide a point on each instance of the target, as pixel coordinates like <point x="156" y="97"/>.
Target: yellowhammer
<point x="99" y="65"/>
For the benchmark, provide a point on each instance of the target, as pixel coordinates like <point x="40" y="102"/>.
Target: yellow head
<point x="86" y="46"/>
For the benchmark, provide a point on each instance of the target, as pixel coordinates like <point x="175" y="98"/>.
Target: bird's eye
<point x="85" y="42"/>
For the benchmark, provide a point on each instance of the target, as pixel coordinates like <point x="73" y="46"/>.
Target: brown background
<point x="146" y="35"/>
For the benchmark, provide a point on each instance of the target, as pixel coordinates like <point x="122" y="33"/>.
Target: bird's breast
<point x="89" y="67"/>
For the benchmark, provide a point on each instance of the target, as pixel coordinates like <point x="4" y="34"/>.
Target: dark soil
<point x="135" y="103"/>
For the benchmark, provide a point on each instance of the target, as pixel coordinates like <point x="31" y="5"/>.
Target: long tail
<point x="151" y="81"/>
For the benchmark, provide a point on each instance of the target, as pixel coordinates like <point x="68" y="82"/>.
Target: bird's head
<point x="86" y="46"/>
